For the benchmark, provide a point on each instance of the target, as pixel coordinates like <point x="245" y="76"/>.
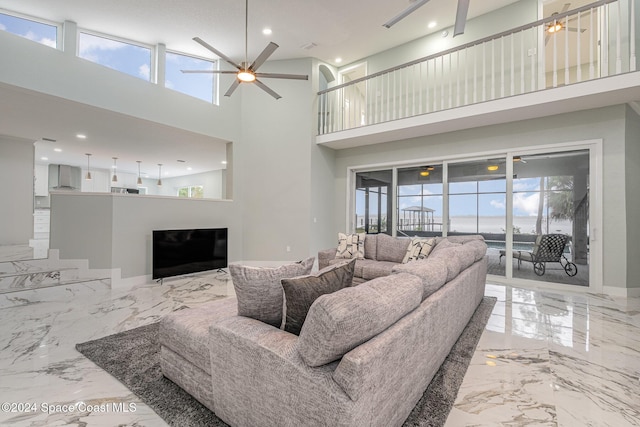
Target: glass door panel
<point x="372" y="201"/>
<point x="419" y="208"/>
<point x="477" y="196"/>
<point x="551" y="217"/>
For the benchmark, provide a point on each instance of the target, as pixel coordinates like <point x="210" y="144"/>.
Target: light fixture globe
<point x="246" y="76"/>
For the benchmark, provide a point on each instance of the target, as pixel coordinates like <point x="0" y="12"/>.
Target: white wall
<point x="519" y="13"/>
<point x="51" y="71"/>
<point x="632" y="175"/>
<point x="115" y="230"/>
<point x="606" y="123"/>
<point x="272" y="165"/>
<point x="16" y="174"/>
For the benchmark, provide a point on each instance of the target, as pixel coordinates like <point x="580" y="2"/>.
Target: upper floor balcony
<point x="573" y="60"/>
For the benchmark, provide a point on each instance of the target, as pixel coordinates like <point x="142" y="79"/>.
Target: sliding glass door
<point x="531" y="206"/>
<point x="551" y="209"/>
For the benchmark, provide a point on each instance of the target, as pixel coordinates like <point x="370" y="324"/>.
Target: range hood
<point x="64" y="177"/>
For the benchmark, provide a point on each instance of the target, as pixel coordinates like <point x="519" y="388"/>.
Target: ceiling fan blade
<point x="233" y="87"/>
<point x="565" y="7"/>
<point x="266" y="53"/>
<point x="208" y="72"/>
<point x="266" y="89"/>
<point x="461" y="17"/>
<point x="575" y="30"/>
<point x="216" y="51"/>
<point x="546" y="39"/>
<point x="283" y="76"/>
<point x="405" y="13"/>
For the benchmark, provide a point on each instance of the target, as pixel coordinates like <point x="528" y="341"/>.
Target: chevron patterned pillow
<point x="350" y="246"/>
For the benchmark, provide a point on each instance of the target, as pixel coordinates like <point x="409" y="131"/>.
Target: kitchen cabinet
<point x="41" y="180"/>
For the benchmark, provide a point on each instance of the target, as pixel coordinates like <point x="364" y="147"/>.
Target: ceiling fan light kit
<point x="244" y="73"/>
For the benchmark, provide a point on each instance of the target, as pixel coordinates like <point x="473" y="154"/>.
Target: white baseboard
<point x="621" y="292"/>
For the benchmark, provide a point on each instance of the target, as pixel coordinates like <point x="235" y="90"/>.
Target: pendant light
<point x="139" y="177"/>
<point x="88" y="176"/>
<point x="114" y="178"/>
<point x="159" y="174"/>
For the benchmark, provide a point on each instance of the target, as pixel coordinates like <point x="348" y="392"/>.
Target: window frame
<point x="215" y="100"/>
<point x="153" y="74"/>
<point x="23" y="16"/>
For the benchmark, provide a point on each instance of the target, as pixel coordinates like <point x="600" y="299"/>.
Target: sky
<point x="462" y="197"/>
<point x="127" y="58"/>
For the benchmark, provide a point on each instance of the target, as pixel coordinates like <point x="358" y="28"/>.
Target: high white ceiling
<point x="350" y="30"/>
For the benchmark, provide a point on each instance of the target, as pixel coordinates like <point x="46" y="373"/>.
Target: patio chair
<point x="548" y="248"/>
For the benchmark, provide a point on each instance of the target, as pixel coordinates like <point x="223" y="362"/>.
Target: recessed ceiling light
<point x="445" y="33"/>
<point x="58" y="150"/>
<point x="267" y="31"/>
<point x="189" y="168"/>
<point x="44" y="158"/>
<point x="224" y="162"/>
<point x="81" y="136"/>
<point x="432" y="24"/>
<point x="338" y="60"/>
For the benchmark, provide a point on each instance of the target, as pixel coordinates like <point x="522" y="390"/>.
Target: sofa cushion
<point x="186" y="331"/>
<point x="341" y="321"/>
<point x="359" y="266"/>
<point x="370" y="244"/>
<point x="432" y="271"/>
<point x="479" y="249"/>
<point x="377" y="269"/>
<point x="443" y="243"/>
<point x="419" y="248"/>
<point x="259" y="291"/>
<point x="301" y="292"/>
<point x="350" y="246"/>
<point x="451" y="259"/>
<point x="391" y="248"/>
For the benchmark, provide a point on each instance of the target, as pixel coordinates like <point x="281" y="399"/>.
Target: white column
<point x="160" y="64"/>
<point x="70" y="38"/>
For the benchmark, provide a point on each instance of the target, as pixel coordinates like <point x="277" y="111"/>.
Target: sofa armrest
<point x="325" y="256"/>
<point x="259" y="378"/>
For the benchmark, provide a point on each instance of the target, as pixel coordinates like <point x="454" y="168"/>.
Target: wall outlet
<point x="532" y="51"/>
<point x="288" y="248"/>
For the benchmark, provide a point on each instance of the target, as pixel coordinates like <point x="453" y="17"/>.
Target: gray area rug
<point x="133" y="358"/>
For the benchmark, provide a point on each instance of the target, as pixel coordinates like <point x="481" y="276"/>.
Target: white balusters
<point x="468" y="74"/>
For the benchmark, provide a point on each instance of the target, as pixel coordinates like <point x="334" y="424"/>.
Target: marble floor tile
<point x="556" y="359"/>
<point x="544" y="359"/>
<point x="40" y="366"/>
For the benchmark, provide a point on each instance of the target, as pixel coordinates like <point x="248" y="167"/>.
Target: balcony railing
<point x="587" y="43"/>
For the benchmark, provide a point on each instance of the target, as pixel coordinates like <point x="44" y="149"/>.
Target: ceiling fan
<point x="247" y="73"/>
<point x="461" y="15"/>
<point x="556" y="26"/>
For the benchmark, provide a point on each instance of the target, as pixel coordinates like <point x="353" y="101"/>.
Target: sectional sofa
<point x="364" y="356"/>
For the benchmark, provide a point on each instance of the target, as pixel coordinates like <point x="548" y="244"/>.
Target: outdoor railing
<point x="541" y="55"/>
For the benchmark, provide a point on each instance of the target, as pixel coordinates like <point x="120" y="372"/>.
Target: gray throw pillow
<point x="259" y="292"/>
<point x="301" y="292"/>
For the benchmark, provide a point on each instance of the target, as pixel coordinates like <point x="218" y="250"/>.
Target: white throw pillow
<point x="350" y="246"/>
<point x="419" y="248"/>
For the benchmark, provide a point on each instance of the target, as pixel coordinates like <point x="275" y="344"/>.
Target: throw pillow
<point x="419" y="248"/>
<point x="341" y="321"/>
<point x="350" y="246"/>
<point x="259" y="292"/>
<point x="301" y="292"/>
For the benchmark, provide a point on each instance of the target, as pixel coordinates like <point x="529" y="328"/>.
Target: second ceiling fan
<point x="246" y="73"/>
<point x="461" y="15"/>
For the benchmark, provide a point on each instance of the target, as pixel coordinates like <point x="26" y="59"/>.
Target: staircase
<point x="30" y="274"/>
